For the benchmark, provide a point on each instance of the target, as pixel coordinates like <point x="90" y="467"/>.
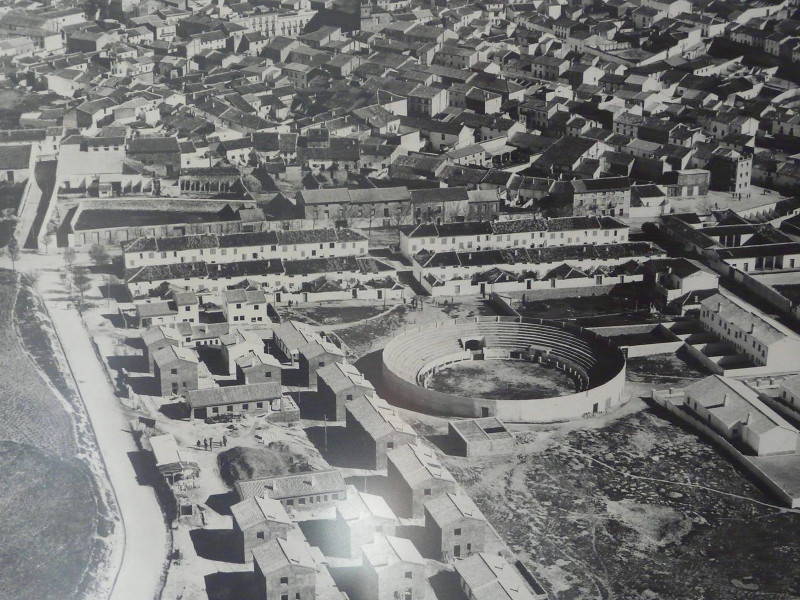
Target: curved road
<point x="144" y="555"/>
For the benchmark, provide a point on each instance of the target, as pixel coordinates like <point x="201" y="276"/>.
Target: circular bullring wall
<point x="594" y="362"/>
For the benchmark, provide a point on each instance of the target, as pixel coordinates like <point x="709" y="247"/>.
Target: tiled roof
<point x="292" y="486"/>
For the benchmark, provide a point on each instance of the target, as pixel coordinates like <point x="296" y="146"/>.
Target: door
<point x="10" y="176"/>
<point x="457" y="551"/>
<point x="484" y="411"/>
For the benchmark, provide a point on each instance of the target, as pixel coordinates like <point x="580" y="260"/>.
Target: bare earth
<point x="502" y="380"/>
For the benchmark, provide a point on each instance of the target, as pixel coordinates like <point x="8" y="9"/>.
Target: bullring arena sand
<point x="502" y="380"/>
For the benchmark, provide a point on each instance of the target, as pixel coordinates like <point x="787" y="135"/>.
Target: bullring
<point x="595" y="363"/>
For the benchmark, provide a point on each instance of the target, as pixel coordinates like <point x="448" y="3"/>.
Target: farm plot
<point x="636" y="508"/>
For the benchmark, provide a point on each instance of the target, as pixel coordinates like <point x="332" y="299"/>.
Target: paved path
<point x="146" y="539"/>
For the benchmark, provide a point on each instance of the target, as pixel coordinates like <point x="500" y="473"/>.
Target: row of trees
<point x="76" y="277"/>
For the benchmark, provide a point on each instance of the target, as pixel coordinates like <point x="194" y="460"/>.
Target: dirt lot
<point x="48" y="506"/>
<point x="589" y="311"/>
<point x="665" y="370"/>
<point x="335" y="313"/>
<point x="502" y="380"/>
<point x="608" y="509"/>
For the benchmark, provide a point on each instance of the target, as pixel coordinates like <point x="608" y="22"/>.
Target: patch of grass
<point x="47" y="512"/>
<point x="47" y="508"/>
<point x="364" y="336"/>
<point x="674" y="369"/>
<point x="243" y="462"/>
<point x="332" y="315"/>
<point x="37" y="337"/>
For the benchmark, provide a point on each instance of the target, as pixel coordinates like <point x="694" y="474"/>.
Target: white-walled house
<point x="750" y="333"/>
<point x="734" y="411"/>
<point x="238" y="247"/>
<point x="244" y="306"/>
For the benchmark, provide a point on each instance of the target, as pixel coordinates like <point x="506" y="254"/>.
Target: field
<point x="633" y="508"/>
<point x="363" y="337"/>
<point x="588" y="311"/>
<point x="48" y="506"/>
<point x="674" y="369"/>
<point x="334" y="313"/>
<point x="502" y="380"/>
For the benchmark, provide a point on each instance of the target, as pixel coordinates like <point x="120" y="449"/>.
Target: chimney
<point x="752" y="326"/>
<point x="719" y="306"/>
<point x="747" y="419"/>
<point x="725" y="400"/>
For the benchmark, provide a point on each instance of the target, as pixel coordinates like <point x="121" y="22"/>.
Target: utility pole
<point x="325" y="427"/>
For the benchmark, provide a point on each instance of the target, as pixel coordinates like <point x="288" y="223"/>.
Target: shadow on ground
<point x="216" y="544"/>
<point x="339" y="450"/>
<point x="231" y="586"/>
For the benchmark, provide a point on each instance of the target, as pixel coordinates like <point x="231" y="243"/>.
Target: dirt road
<point x="146" y="539"/>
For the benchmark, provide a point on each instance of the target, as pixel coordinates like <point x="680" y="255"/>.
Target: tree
<point x="110" y="279"/>
<point x="13" y="251"/>
<point x="69" y="257"/>
<point x="50" y="234"/>
<point x="99" y="255"/>
<point x="83" y="283"/>
<point x="400" y="215"/>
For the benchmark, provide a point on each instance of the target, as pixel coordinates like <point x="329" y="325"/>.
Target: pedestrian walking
<point x="224" y="441"/>
<point x="211" y="443"/>
<point x="205" y="443"/>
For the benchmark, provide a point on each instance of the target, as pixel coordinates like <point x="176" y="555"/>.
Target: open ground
<point x="502" y="380"/>
<point x="56" y="519"/>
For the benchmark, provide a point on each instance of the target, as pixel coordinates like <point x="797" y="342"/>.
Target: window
<point x="284" y="581"/>
<point x="259" y="405"/>
<point x="215" y="410"/>
<point x="260" y="535"/>
<point x="427" y="491"/>
<point x="173" y="371"/>
<point x="409" y="575"/>
<point x="389" y="445"/>
<point x="301" y="501"/>
<point x="457" y="531"/>
<point x="284" y="596"/>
